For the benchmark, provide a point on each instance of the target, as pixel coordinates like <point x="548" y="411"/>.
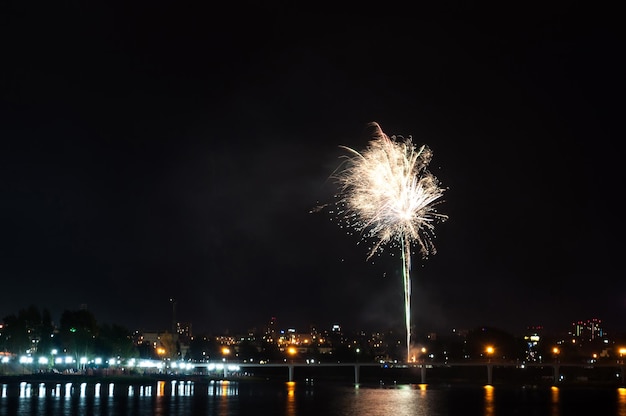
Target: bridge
<point x="424" y="367"/>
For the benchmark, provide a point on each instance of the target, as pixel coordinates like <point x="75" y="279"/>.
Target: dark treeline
<point x="32" y="331"/>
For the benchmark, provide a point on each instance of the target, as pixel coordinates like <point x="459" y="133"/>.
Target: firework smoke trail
<point x="387" y="194"/>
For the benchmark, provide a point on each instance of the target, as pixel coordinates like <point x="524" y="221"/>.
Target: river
<point x="306" y="398"/>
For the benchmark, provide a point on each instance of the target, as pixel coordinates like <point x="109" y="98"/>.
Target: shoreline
<point x="153" y="379"/>
<point x="130" y="379"/>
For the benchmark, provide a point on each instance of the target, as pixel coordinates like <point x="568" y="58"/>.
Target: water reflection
<point x="291" y="399"/>
<point x="96" y="390"/>
<point x="230" y="398"/>
<point x="422" y="389"/>
<point x="78" y="398"/>
<point x="413" y="400"/>
<point x="621" y="401"/>
<point x="224" y="392"/>
<point x="160" y="388"/>
<point x="490" y="408"/>
<point x="222" y="398"/>
<point x="554" y="401"/>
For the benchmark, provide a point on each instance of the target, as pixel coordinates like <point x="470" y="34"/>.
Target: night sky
<point x="150" y="152"/>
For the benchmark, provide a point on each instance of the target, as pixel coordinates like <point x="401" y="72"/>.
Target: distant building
<point x="532" y="340"/>
<point x="183" y="330"/>
<point x="588" y="331"/>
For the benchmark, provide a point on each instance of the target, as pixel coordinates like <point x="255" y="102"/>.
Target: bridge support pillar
<point x="290" y="372"/>
<point x="357" y="370"/>
<point x="489" y="374"/>
<point x="556" y="373"/>
<point x="423" y="373"/>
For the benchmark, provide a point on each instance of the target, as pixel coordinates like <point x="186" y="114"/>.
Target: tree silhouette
<point x="78" y="331"/>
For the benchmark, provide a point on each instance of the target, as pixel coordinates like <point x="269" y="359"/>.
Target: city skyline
<point x="151" y="154"/>
<point x="576" y="327"/>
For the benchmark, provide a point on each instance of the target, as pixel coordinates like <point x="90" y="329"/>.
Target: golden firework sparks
<point x="388" y="195"/>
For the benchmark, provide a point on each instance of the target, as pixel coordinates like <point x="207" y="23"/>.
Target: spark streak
<point x="387" y="194"/>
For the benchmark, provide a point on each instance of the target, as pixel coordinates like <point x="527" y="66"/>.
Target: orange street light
<point x="225" y="352"/>
<point x="489" y="350"/>
<point x="292" y="351"/>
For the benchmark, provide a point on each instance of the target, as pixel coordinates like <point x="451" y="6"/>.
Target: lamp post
<point x="357" y="367"/>
<point x="53" y="358"/>
<point x="555" y="352"/>
<point x="423" y="365"/>
<point x="291" y="351"/>
<point x="622" y="352"/>
<point x="489" y="350"/>
<point x="225" y="354"/>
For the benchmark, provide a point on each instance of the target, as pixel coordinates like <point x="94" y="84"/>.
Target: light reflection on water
<point x="290" y="409"/>
<point x="398" y="401"/>
<point x="621" y="402"/>
<point x="224" y="398"/>
<point x="489" y="403"/>
<point x="554" y="401"/>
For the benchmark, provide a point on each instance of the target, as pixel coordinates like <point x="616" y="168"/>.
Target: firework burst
<point x="387" y="194"/>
